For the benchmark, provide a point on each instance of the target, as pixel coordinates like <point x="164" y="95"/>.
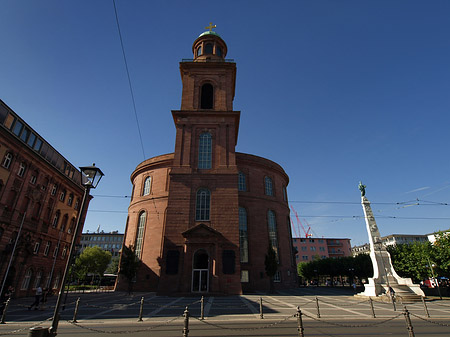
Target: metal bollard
<point x="371" y="307"/>
<point x="408" y="322"/>
<point x="425" y="307"/>
<point x="38" y="331"/>
<point x="186" y="322"/>
<point x="261" y="314"/>
<point x="317" y="305"/>
<point x="300" y="323"/>
<point x="4" y="311"/>
<point x="202" y="308"/>
<point x="75" y="312"/>
<point x="141" y="309"/>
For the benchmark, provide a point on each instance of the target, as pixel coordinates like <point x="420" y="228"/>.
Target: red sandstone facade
<point x="41" y="188"/>
<point x="201" y="219"/>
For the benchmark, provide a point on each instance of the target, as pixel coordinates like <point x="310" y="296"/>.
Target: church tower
<point x="203" y="199"/>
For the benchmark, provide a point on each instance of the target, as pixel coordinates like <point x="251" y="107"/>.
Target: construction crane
<point x="307" y="235"/>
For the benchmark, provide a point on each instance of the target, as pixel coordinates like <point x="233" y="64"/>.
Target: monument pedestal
<point x="384" y="275"/>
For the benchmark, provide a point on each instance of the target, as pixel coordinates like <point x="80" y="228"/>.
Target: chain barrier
<point x="429" y="321"/>
<point x="172" y="306"/>
<point x="346" y="305"/>
<point x="354" y="325"/>
<point x="25" y="328"/>
<point x="125" y="331"/>
<point x="227" y="306"/>
<point x="247" y="329"/>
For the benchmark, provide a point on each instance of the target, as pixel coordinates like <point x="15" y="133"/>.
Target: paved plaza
<point x="325" y="312"/>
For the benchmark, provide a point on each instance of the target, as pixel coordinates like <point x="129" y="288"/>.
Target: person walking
<point x="37" y="299"/>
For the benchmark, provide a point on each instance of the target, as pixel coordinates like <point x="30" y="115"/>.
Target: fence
<point x="185" y="315"/>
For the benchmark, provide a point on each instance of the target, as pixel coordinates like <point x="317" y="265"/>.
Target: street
<point x="340" y="313"/>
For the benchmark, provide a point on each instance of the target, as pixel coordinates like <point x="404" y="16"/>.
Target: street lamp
<point x="90" y="177"/>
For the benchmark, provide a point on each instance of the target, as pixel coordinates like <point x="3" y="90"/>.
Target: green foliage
<point x="411" y="260"/>
<point x="92" y="260"/>
<point x="129" y="263"/>
<point x="360" y="266"/>
<point x="113" y="266"/>
<point x="441" y="254"/>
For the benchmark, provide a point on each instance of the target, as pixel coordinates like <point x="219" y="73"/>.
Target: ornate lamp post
<point x="90" y="177"/>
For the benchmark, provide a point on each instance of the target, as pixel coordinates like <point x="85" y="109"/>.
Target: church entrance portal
<point x="200" y="271"/>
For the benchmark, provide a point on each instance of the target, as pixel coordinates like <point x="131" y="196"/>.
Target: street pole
<point x="55" y="320"/>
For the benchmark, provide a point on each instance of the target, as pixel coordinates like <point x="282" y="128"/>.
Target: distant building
<point x="361" y="249"/>
<point x="42" y="190"/>
<point x="310" y="248"/>
<point x="391" y="240"/>
<point x="111" y="242"/>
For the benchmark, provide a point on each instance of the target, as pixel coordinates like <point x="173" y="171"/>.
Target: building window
<point x="203" y="205"/>
<point x="37" y="280"/>
<point x="63" y="255"/>
<point x="55" y="252"/>
<point x="22" y="169"/>
<point x="7" y="160"/>
<point x="47" y="248"/>
<point x="64" y="221"/>
<point x="147" y="184"/>
<point x="208" y="48"/>
<point x="268" y="186"/>
<point x="55" y="219"/>
<point x="218" y="51"/>
<point x="272" y="227"/>
<point x="305" y="257"/>
<point x="304" y="248"/>
<point x="284" y="193"/>
<point x="72" y="226"/>
<point x="313" y="249"/>
<point x="244" y="276"/>
<point x="207" y="96"/>
<point x="33" y="178"/>
<point x="205" y="151"/>
<point x="17" y="128"/>
<point x="56" y="283"/>
<point x="277" y="277"/>
<point x="140" y="234"/>
<point x="77" y="204"/>
<point x="62" y="196"/>
<point x="199" y="51"/>
<point x="228" y="262"/>
<point x="70" y="200"/>
<point x="242" y="184"/>
<point x="243" y="235"/>
<point x="25" y="134"/>
<point x="37" y="245"/>
<point x="54" y="189"/>
<point x="26" y="279"/>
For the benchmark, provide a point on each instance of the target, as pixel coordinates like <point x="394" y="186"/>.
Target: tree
<point x="93" y="260"/>
<point x="271" y="264"/>
<point x="129" y="264"/>
<point x="113" y="266"/>
<point x="411" y="260"/>
<point x="441" y="253"/>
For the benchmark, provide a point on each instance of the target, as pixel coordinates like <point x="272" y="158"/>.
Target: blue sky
<point x="334" y="91"/>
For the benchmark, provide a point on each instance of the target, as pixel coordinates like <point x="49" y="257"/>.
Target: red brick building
<point x="201" y="219"/>
<point x="40" y="188"/>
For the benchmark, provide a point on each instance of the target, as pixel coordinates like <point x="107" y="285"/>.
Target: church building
<point x="201" y="219"/>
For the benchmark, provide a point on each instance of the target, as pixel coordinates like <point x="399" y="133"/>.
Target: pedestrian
<point x="37" y="299"/>
<point x="391" y="292"/>
<point x="5" y="297"/>
<point x="44" y="299"/>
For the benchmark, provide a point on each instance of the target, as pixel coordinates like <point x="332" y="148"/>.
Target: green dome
<point x="208" y="32"/>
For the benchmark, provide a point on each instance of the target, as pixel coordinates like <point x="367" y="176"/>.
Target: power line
<point x="129" y="79"/>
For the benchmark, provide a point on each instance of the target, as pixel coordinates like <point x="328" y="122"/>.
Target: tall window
<point x="140" y="234"/>
<point x="22" y="169"/>
<point x="202" y="205"/>
<point x="243" y="235"/>
<point x="26" y="279"/>
<point x="272" y="227"/>
<point x="242" y="183"/>
<point x="207" y="96"/>
<point x="37" y="280"/>
<point x="268" y="186"/>
<point x="56" y="219"/>
<point x="208" y="48"/>
<point x="7" y="160"/>
<point x="147" y="184"/>
<point x="47" y="248"/>
<point x="205" y="151"/>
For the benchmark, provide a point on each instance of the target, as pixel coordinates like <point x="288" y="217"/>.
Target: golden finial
<point x="211" y="26"/>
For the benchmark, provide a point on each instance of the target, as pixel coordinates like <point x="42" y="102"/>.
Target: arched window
<point x="202" y="205"/>
<point x="56" y="219"/>
<point x="209" y="48"/>
<point x="242" y="183"/>
<point x="72" y="226"/>
<point x="207" y="96"/>
<point x="205" y="151"/>
<point x="26" y="279"/>
<point x="268" y="186"/>
<point x="64" y="221"/>
<point x="199" y="51"/>
<point x="243" y="235"/>
<point x="7" y="160"/>
<point x="272" y="228"/>
<point x="37" y="280"/>
<point x="140" y="234"/>
<point x="218" y="51"/>
<point x="147" y="184"/>
<point x="70" y="200"/>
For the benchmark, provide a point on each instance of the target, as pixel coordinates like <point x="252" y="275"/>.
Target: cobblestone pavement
<point x="325" y="312"/>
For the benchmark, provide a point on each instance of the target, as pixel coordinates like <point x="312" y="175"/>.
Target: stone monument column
<point x="384" y="275"/>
